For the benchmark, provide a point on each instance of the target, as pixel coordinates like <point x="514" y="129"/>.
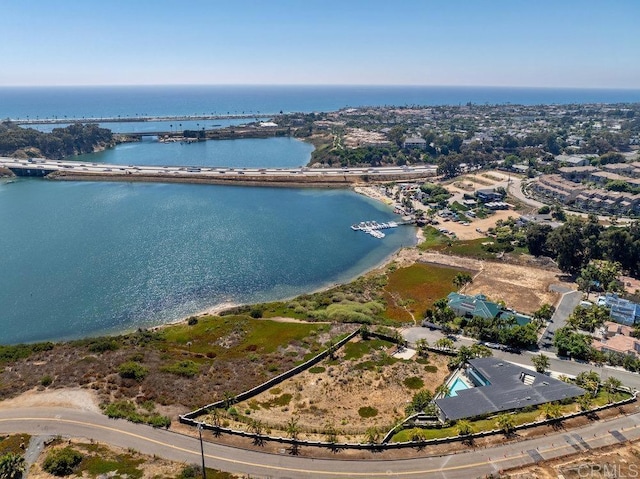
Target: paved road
<point x="177" y="447"/>
<point x="567" y="304"/>
<point x="131" y="171"/>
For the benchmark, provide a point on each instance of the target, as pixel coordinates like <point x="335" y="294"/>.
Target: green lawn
<point x="356" y="350"/>
<point x="519" y="418"/>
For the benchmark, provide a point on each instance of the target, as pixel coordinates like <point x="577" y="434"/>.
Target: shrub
<point x="61" y="462"/>
<point x="317" y="369"/>
<point x="367" y="411"/>
<point x="431" y="369"/>
<point x="186" y="368"/>
<point x="132" y="370"/>
<point x="102" y="345"/>
<point x="46" y="381"/>
<point x="414" y="383"/>
<point x="192" y="321"/>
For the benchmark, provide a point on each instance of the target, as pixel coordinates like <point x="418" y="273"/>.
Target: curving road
<point x="178" y="447"/>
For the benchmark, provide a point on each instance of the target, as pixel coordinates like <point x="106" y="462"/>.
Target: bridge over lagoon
<point x="308" y="177"/>
<point x="137" y="118"/>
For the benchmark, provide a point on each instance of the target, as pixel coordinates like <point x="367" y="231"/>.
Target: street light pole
<point x="204" y="471"/>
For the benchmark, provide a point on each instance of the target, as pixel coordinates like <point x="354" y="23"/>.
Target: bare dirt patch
<point x="614" y="461"/>
<point x="523" y="288"/>
<point x="75" y="398"/>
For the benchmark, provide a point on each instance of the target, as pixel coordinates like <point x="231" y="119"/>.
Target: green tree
<point x="585" y="401"/>
<point x="421" y="402"/>
<point x="444" y="344"/>
<point x="551" y="410"/>
<point x="541" y="363"/>
<point x="611" y="385"/>
<point x="372" y="436"/>
<point x="572" y="344"/>
<point x="588" y="318"/>
<point x="422" y="347"/>
<point x="545" y="312"/>
<point x="505" y="423"/>
<point x="536" y="238"/>
<point x="396" y="135"/>
<point x="464" y="427"/>
<point x="11" y="466"/>
<point x="462" y="279"/>
<point x="589" y="380"/>
<point x="442" y="390"/>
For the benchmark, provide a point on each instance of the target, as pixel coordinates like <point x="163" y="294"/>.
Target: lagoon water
<point x="81" y="258"/>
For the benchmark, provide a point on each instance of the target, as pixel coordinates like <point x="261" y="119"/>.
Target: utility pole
<point x="204" y="471"/>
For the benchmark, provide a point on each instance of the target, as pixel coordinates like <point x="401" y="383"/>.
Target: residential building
<point x="491" y="385"/>
<point x="415" y="142"/>
<point x="479" y="305"/>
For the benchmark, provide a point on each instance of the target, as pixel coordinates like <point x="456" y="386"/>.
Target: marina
<point x="373" y="227"/>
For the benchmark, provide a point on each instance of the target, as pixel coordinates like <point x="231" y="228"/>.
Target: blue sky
<point x="539" y="43"/>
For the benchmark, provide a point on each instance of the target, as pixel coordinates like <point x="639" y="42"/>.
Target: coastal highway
<point x="84" y="170"/>
<point x="182" y="448"/>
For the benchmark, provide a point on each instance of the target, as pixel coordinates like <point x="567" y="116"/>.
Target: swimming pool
<point x="458" y="385"/>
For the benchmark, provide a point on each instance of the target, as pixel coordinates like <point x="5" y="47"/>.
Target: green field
<point x="245" y="335"/>
<point x="415" y="288"/>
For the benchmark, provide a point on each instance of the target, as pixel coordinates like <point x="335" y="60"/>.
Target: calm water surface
<point x="82" y="258"/>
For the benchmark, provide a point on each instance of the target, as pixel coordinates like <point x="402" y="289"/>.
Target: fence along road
<point x="182" y="448"/>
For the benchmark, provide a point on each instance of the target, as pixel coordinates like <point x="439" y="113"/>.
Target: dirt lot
<point x="470" y="232"/>
<point x="523" y="288"/>
<point x="622" y="461"/>
<point x="333" y="393"/>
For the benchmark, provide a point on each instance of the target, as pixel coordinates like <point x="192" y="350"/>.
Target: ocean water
<point x="78" y="102"/>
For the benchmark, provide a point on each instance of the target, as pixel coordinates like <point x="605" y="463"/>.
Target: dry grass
<point x="363" y="375"/>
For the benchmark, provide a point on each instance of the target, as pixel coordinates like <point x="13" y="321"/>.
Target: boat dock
<point x="373" y="227"/>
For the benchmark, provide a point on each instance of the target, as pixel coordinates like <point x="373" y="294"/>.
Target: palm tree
<point x="585" y="402"/>
<point x="11" y="466"/>
<point x="541" y="362"/>
<point x="505" y="423"/>
<point x="417" y="435"/>
<point x="331" y="434"/>
<point x="551" y="410"/>
<point x="257" y="428"/>
<point x="372" y="435"/>
<point x="442" y="390"/>
<point x="293" y="431"/>
<point x="422" y="347"/>
<point x="462" y="279"/>
<point x="464" y="427"/>
<point x="611" y="385"/>
<point x="444" y="343"/>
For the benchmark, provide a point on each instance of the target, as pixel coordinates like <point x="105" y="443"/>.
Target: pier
<point x="373" y="227"/>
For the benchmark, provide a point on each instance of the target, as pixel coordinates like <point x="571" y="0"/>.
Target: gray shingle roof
<point x="505" y="391"/>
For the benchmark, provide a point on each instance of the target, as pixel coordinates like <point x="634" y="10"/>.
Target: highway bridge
<point x="301" y="176"/>
<point x="135" y="119"/>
